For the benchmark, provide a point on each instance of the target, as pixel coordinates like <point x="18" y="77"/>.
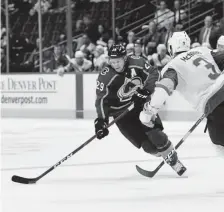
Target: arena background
<point x="42" y="43"/>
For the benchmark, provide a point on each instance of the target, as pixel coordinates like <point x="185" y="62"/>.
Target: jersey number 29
<point x="99" y="85"/>
<point x="208" y="65"/>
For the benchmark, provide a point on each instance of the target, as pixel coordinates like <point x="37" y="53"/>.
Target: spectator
<point x="62" y="37"/>
<point x="19" y="46"/>
<point x="151" y="40"/>
<point x="220" y="43"/>
<point x="57" y="60"/>
<point x="205" y="31"/>
<point x="103" y="35"/>
<point x="91" y="29"/>
<point x="3" y="38"/>
<point x="100" y="59"/>
<point x="87" y="54"/>
<point x="178" y="28"/>
<point x="110" y="42"/>
<point x="45" y="6"/>
<point x="118" y="36"/>
<point x="80" y="63"/>
<point x="179" y="14"/>
<point x="79" y="27"/>
<point x="166" y="32"/>
<point x="130" y="49"/>
<point x="102" y="43"/>
<point x="32" y="59"/>
<point x="138" y="48"/>
<point x="131" y="37"/>
<point x="163" y="14"/>
<point x="84" y="42"/>
<point x="216" y="34"/>
<point x="160" y="59"/>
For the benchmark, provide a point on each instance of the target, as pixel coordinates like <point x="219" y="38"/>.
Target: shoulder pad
<point x="106" y="75"/>
<point x="136" y="61"/>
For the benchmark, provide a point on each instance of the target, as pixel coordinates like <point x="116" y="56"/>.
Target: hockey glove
<point x="139" y="97"/>
<point x="100" y="128"/>
<point x="148" y="115"/>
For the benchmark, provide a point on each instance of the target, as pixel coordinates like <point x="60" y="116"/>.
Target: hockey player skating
<point x="197" y="75"/>
<point x="123" y="81"/>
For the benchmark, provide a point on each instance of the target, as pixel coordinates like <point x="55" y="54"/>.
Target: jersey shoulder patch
<point x="106" y="75"/>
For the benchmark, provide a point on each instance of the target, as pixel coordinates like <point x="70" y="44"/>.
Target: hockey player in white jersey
<point x="197" y="75"/>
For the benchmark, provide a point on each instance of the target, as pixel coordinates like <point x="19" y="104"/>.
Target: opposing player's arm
<point x="168" y="81"/>
<point x="164" y="88"/>
<point x="103" y="86"/>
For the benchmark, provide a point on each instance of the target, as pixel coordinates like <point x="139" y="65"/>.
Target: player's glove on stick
<point x="100" y="128"/>
<point x="140" y="96"/>
<point x="148" y="115"/>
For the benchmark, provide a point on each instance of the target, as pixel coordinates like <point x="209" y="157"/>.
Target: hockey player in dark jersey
<point x="198" y="75"/>
<point x="123" y="81"/>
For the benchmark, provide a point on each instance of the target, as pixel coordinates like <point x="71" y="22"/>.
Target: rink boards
<point x="71" y="96"/>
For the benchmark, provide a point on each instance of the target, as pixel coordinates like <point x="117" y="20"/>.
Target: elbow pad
<point x="163" y="90"/>
<point x="167" y="84"/>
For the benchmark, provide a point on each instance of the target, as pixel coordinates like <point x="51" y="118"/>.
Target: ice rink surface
<point x="102" y="176"/>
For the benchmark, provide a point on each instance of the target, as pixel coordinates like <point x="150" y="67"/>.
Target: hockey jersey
<point x="198" y="76"/>
<point x="114" y="90"/>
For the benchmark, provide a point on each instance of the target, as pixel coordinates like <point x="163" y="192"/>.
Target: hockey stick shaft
<point x="34" y="180"/>
<point x="152" y="173"/>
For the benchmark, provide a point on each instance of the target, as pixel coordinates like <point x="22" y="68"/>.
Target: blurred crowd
<point x="90" y="49"/>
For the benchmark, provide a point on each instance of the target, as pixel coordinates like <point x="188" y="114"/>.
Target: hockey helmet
<point x="116" y="51"/>
<point x="179" y="42"/>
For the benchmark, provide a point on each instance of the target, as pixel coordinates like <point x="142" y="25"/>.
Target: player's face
<point x="117" y="64"/>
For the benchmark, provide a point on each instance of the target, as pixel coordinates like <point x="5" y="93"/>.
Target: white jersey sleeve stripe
<point x="107" y="92"/>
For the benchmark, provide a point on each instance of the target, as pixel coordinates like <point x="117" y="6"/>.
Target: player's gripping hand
<point x="148" y="115"/>
<point x="100" y="128"/>
<point x="139" y="97"/>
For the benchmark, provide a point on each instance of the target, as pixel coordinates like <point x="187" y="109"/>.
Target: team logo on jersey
<point x="129" y="87"/>
<point x="105" y="71"/>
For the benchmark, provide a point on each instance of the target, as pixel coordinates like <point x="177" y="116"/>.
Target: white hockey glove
<point x="148" y="115"/>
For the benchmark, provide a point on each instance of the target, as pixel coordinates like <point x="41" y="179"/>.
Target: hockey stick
<point x="152" y="173"/>
<point x="24" y="180"/>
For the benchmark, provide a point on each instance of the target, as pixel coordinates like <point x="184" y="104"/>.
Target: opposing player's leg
<point x="152" y="140"/>
<point x="215" y="126"/>
<point x="164" y="146"/>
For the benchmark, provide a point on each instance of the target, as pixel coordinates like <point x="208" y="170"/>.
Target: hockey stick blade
<point x="147" y="173"/>
<point x="23" y="180"/>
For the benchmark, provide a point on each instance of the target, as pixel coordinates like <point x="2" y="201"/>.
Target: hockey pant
<point x="152" y="140"/>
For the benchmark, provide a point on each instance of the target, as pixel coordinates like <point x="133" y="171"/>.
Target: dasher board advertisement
<point x="38" y="91"/>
